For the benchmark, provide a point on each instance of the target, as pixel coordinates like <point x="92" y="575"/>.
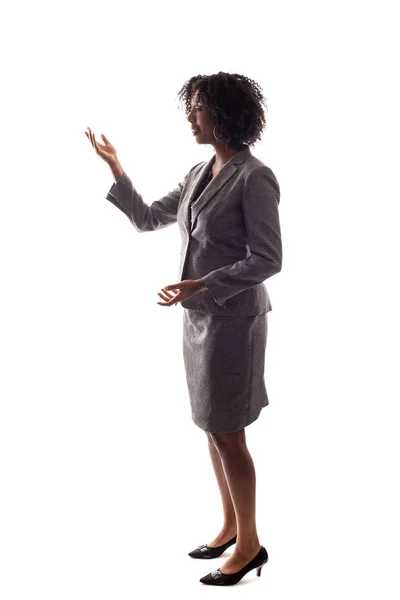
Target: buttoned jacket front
<point x="231" y="235"/>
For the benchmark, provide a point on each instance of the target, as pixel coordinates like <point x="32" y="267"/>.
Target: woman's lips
<point x="194" y="131"/>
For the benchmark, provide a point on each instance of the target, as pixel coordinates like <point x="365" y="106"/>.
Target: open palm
<point x="106" y="151"/>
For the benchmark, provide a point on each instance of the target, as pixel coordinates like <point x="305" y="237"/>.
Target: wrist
<point x="201" y="284"/>
<point x="116" y="169"/>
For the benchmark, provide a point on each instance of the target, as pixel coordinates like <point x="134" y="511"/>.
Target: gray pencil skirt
<point x="224" y="361"/>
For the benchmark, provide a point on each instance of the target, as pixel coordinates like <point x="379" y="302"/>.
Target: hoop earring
<point x="218" y="140"/>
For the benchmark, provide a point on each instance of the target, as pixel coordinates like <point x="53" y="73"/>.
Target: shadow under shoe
<point x="205" y="551"/>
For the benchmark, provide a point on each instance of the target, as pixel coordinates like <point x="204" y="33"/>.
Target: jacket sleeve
<point x="261" y="197"/>
<point x="143" y="217"/>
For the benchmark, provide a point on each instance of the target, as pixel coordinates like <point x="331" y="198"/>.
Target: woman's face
<point x="200" y="119"/>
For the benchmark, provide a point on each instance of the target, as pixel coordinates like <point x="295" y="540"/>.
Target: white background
<point x="106" y="483"/>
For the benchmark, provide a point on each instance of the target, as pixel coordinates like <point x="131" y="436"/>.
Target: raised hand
<point x="106" y="151"/>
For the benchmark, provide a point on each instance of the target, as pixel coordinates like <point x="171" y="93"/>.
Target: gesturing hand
<point x="187" y="288"/>
<point x="106" y="151"/>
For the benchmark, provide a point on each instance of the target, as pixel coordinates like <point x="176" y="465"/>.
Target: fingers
<point x="100" y="149"/>
<point x="168" y="302"/>
<point x="89" y="135"/>
<point x="183" y="291"/>
<point x="170" y="299"/>
<point x="166" y="295"/>
<point x="95" y="143"/>
<point x="177" y="289"/>
<point x="173" y="286"/>
<point x="91" y="138"/>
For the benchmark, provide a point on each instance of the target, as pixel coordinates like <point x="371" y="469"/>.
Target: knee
<point x="228" y="441"/>
<point x="215" y="439"/>
<point x="210" y="438"/>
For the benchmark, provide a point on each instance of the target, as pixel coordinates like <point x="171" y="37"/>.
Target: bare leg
<point x="241" y="478"/>
<point x="229" y="528"/>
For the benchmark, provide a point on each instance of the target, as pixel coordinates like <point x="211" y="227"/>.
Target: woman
<point x="227" y="211"/>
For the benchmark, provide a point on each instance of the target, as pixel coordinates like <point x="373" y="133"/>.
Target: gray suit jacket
<point x="231" y="237"/>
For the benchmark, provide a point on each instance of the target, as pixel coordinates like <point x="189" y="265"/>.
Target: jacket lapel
<point x="192" y="210"/>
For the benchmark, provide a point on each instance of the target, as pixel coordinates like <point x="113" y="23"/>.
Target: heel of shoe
<point x="258" y="571"/>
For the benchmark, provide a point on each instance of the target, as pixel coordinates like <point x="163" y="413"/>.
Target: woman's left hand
<point x="185" y="290"/>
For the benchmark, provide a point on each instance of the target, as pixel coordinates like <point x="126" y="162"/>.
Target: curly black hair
<point x="236" y="105"/>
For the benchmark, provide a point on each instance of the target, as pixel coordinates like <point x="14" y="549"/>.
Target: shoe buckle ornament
<point x="216" y="574"/>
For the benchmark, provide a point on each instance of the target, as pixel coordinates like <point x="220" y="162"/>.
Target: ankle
<point x="230" y="528"/>
<point x="244" y="547"/>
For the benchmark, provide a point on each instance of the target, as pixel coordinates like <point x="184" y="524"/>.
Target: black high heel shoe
<point x="205" y="551"/>
<point x="218" y="578"/>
